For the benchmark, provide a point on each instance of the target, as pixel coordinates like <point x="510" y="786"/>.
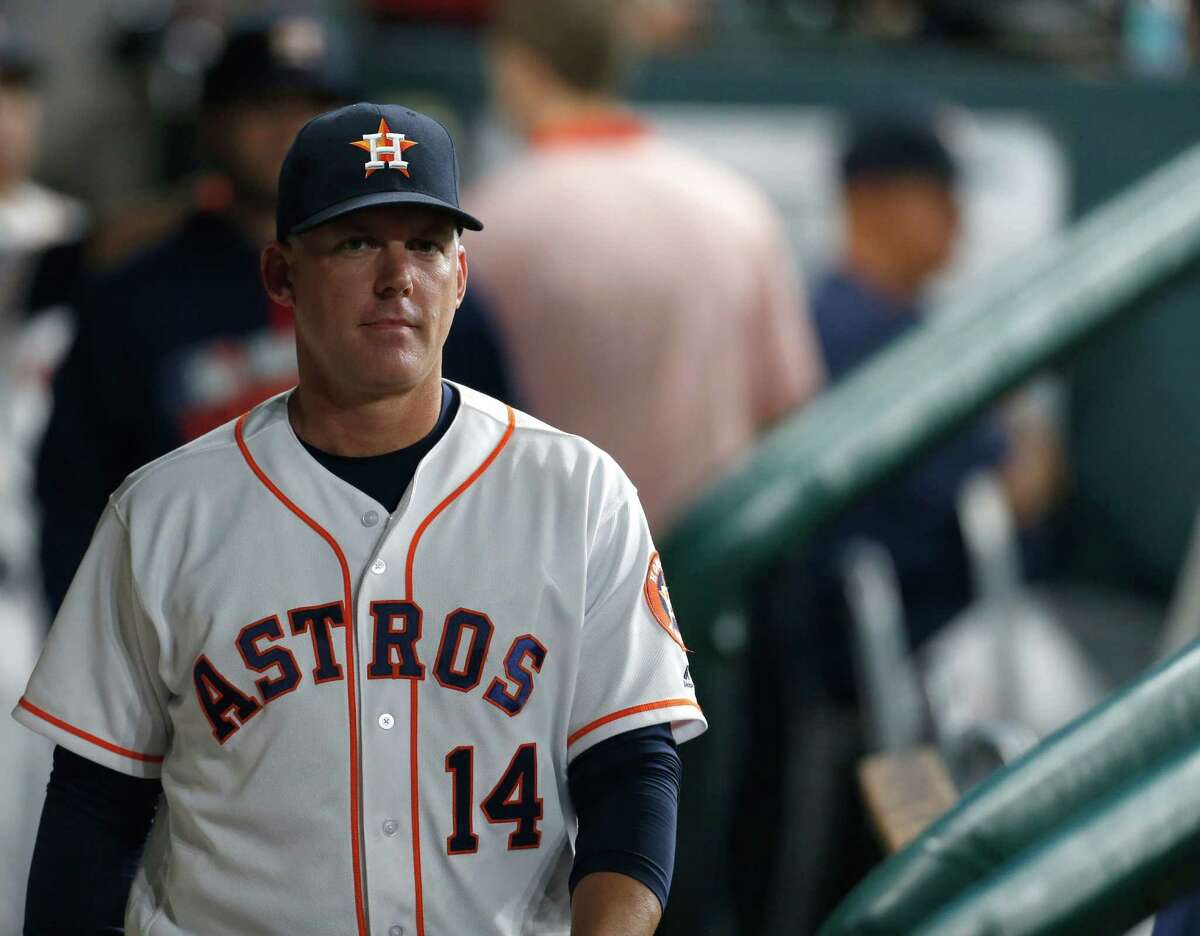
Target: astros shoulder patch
<point x="659" y="600"/>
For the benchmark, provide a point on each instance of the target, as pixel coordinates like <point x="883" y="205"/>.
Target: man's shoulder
<point x="541" y="447"/>
<point x="654" y="165"/>
<point x="201" y="464"/>
<point x="843" y="300"/>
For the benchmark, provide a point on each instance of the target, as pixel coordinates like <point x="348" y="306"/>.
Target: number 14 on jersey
<point x="514" y="799"/>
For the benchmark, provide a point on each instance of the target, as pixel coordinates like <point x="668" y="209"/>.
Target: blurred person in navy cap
<point x="902" y="224"/>
<point x="902" y="219"/>
<point x="182" y="337"/>
<point x="272" y="77"/>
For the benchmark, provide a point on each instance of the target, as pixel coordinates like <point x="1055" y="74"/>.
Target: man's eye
<point x="354" y="244"/>
<point x="425" y="246"/>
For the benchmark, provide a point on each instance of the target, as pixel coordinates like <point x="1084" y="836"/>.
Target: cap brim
<point x="386" y="198"/>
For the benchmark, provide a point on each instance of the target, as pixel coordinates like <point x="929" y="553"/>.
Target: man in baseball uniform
<point x="382" y="656"/>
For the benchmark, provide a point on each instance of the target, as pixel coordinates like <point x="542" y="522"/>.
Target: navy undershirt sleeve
<point x="626" y="793"/>
<point x="93" y="829"/>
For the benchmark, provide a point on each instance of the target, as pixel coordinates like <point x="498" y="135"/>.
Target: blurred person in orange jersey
<point x="645" y="294"/>
<point x="182" y="337"/>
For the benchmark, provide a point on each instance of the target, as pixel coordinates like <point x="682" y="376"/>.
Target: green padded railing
<point x="1090" y="831"/>
<point x="1087" y="833"/>
<point x="928" y="384"/>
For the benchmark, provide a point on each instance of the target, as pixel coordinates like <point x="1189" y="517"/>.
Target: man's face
<point x="923" y="216"/>
<point x="250" y="138"/>
<point x="374" y="294"/>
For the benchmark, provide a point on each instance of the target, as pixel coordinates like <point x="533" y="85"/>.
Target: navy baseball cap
<point x="270" y="55"/>
<point x="364" y="155"/>
<point x="900" y="142"/>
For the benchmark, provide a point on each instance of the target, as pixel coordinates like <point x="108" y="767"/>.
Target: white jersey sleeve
<point x="633" y="667"/>
<point x="95" y="690"/>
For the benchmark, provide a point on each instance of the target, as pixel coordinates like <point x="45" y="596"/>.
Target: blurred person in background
<point x="645" y="295"/>
<point x="32" y="217"/>
<point x="34" y="220"/>
<point x="902" y="222"/>
<point x="182" y="337"/>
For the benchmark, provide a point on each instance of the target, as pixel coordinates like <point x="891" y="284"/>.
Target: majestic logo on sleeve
<point x="659" y="600"/>
<point x="383" y="142"/>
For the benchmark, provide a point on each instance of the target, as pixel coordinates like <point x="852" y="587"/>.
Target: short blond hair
<point x="584" y="41"/>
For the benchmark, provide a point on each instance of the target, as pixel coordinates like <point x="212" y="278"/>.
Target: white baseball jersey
<point x="363" y="722"/>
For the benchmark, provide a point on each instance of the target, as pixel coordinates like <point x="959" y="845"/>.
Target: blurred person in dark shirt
<point x="804" y="822"/>
<point x="902" y="224"/>
<point x="182" y="337"/>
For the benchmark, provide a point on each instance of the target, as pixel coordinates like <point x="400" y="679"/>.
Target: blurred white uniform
<point x="32" y="218"/>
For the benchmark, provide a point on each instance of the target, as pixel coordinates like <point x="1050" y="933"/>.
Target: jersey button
<point x="379" y="567"/>
<point x="386" y="721"/>
<point x="370" y="518"/>
<point x="390" y="827"/>
<point x="396" y="930"/>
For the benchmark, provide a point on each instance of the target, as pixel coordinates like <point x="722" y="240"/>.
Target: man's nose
<point x="394" y="272"/>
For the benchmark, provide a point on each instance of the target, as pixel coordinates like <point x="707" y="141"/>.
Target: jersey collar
<point x="617" y="126"/>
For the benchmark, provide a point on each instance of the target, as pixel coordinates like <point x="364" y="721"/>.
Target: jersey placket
<point x="398" y="898"/>
<point x="388" y="682"/>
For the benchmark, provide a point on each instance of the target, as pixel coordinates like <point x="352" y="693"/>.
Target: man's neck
<point x="569" y="109"/>
<point x="360" y="427"/>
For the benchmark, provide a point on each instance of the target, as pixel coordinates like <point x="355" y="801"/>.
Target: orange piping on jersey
<point x="414" y="803"/>
<point x="633" y="710"/>
<point x="80" y="733"/>
<point x="351" y="668"/>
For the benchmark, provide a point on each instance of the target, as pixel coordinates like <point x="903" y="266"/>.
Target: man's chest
<point x="481" y="607"/>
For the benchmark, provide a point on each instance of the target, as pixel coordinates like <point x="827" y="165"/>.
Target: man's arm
<point x="89" y="843"/>
<point x="626" y="793"/>
<point x="611" y="904"/>
<point x="1035" y="472"/>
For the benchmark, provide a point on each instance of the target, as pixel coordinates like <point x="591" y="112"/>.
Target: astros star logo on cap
<point x="395" y="147"/>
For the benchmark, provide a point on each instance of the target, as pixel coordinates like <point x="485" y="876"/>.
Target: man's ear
<point x="275" y="267"/>
<point x="462" y="274"/>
